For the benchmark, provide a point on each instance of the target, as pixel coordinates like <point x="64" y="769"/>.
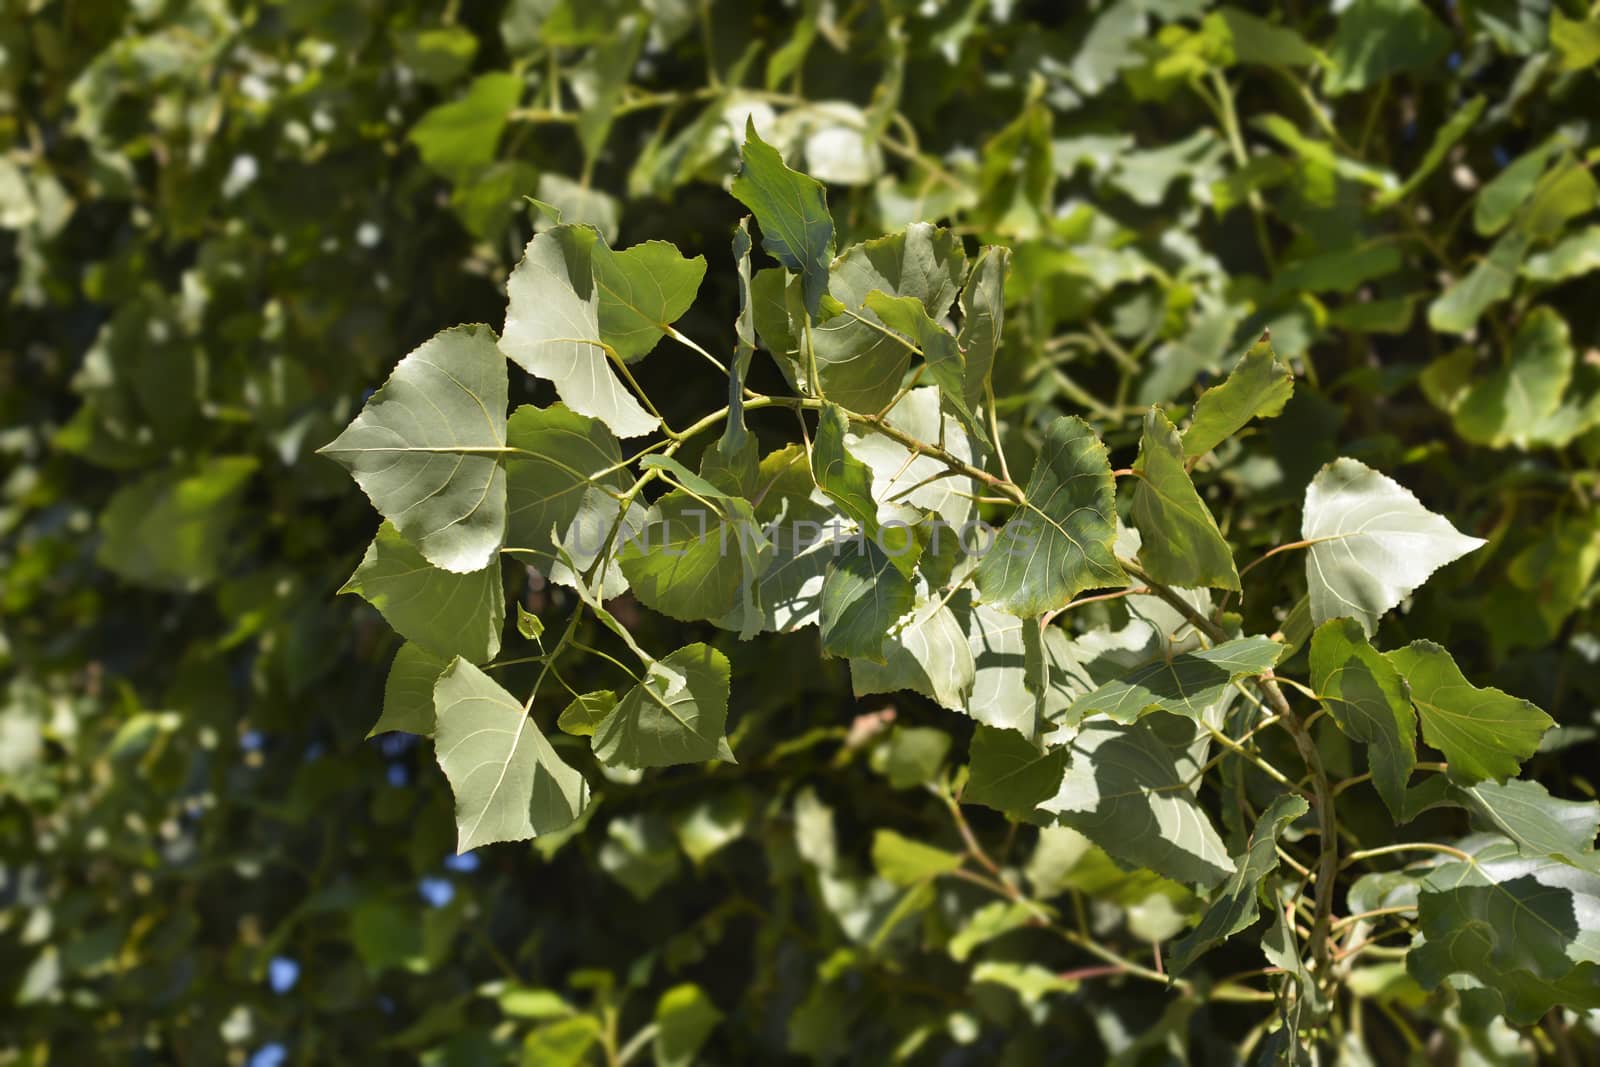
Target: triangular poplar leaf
<point x="734" y="434"/>
<point x="565" y="477"/>
<point x="1540" y="824"/>
<point x="845" y="479"/>
<point x="1060" y="541"/>
<point x="1186" y="684"/>
<point x="792" y="210"/>
<point x="863" y="595"/>
<point x="509" y="783"/>
<point x="923" y="262"/>
<point x="552" y="329"/>
<point x="901" y="861"/>
<point x="1368" y="699"/>
<point x="1130" y="789"/>
<point x="983" y="313"/>
<point x="408" y="692"/>
<point x="1529" y="929"/>
<point x="1258" y="388"/>
<point x="586" y="711"/>
<point x="685" y="1017"/>
<point x="1234" y="907"/>
<point x="1483" y="733"/>
<point x="1511" y="405"/>
<point x="643" y="291"/>
<point x="928" y="655"/>
<point x="1372" y="545"/>
<point x="1182" y="545"/>
<point x="1491" y="280"/>
<point x="1009" y="689"/>
<point x="698" y="561"/>
<point x="427" y="447"/>
<point x="446" y="613"/>
<point x="734" y="472"/>
<point x="677" y="714"/>
<point x="1008" y="772"/>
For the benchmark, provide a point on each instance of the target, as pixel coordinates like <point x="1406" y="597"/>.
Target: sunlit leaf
<point x="1368" y="699"/>
<point x="448" y="614"/>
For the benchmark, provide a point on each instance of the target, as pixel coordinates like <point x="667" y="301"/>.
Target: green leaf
<point x="408" y="692"/>
<point x="1186" y="684"/>
<point x="1060" y="541"/>
<point x="1257" y="388"/>
<point x="552" y="329"/>
<point x="1255" y="40"/>
<point x="1575" y="41"/>
<point x="904" y="862"/>
<point x="1008" y="772"/>
<point x="1444" y="139"/>
<point x="586" y="711"/>
<point x="734" y="434"/>
<point x="698" y="559"/>
<point x="1024" y="676"/>
<point x="685" y="1017"/>
<point x="1507" y="193"/>
<point x="460" y="136"/>
<point x="638" y="852"/>
<point x="529" y="625"/>
<point x="1031" y="982"/>
<point x="1373" y="544"/>
<point x="677" y="714"/>
<point x="1483" y="733"/>
<point x="561" y="489"/>
<point x="911" y="756"/>
<point x="427" y="446"/>
<point x="1130" y="789"/>
<point x="1368" y="699"/>
<point x="792" y="210"/>
<point x="1377" y="39"/>
<point x="600" y="80"/>
<point x="446" y="613"/>
<point x="1182" y="545"/>
<point x="983" y="314"/>
<point x="643" y="291"/>
<point x="712" y="824"/>
<point x="1509" y="406"/>
<point x="1540" y="824"/>
<point x="863" y="595"/>
<point x="171" y="528"/>
<point x="508" y="782"/>
<point x="987" y="923"/>
<point x="1235" y="908"/>
<point x="1574" y="255"/>
<point x="928" y="655"/>
<point x="1525" y="928"/>
<point x="947" y="365"/>
<point x="909" y="485"/>
<point x="1458" y="308"/>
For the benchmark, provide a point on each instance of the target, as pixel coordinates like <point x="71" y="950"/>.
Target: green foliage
<point x="923" y="572"/>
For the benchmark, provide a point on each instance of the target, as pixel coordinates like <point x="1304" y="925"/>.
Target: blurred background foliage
<point x="222" y="223"/>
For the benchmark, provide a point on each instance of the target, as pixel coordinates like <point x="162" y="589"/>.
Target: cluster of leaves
<point x="981" y="742"/>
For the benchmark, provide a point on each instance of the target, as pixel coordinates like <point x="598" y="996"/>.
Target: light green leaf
<point x="1257" y="388"/>
<point x="928" y="655"/>
<point x="529" y="625"/>
<point x="923" y="261"/>
<point x="1540" y="824"/>
<point x="1372" y="545"/>
<point x="1483" y="733"/>
<point x="1377" y="39"/>
<point x="698" y="559"/>
<point x="561" y="197"/>
<point x="1509" y="405"/>
<point x="911" y="756"/>
<point x="426" y="448"/>
<point x="1575" y="41"/>
<point x="792" y="210"/>
<point x="1235" y="908"/>
<point x="677" y="714"/>
<point x="1528" y="929"/>
<point x="947" y="366"/>
<point x="600" y="79"/>
<point x="1574" y="255"/>
<point x="907" y="484"/>
<point x="408" y="692"/>
<point x="1508" y="192"/>
<point x="171" y="528"/>
<point x="863" y="595"/>
<point x="1186" y="684"/>
<point x="508" y="782"/>
<point x="1060" y="541"/>
<point x="983" y="314"/>
<point x="712" y="823"/>
<point x="1008" y="772"/>
<point x="845" y="479"/>
<point x="685" y="1017"/>
<point x="553" y="329"/>
<point x="1458" y="308"/>
<point x="446" y="613"/>
<point x="457" y="137"/>
<point x="901" y="861"/>
<point x="1182" y="545"/>
<point x="638" y="852"/>
<point x="987" y="923"/>
<point x="1368" y="699"/>
<point x="586" y="712"/>
<point x="1130" y="789"/>
<point x="643" y="291"/>
<point x="1020" y="682"/>
<point x="1255" y="40"/>
<point x="1031" y="982"/>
